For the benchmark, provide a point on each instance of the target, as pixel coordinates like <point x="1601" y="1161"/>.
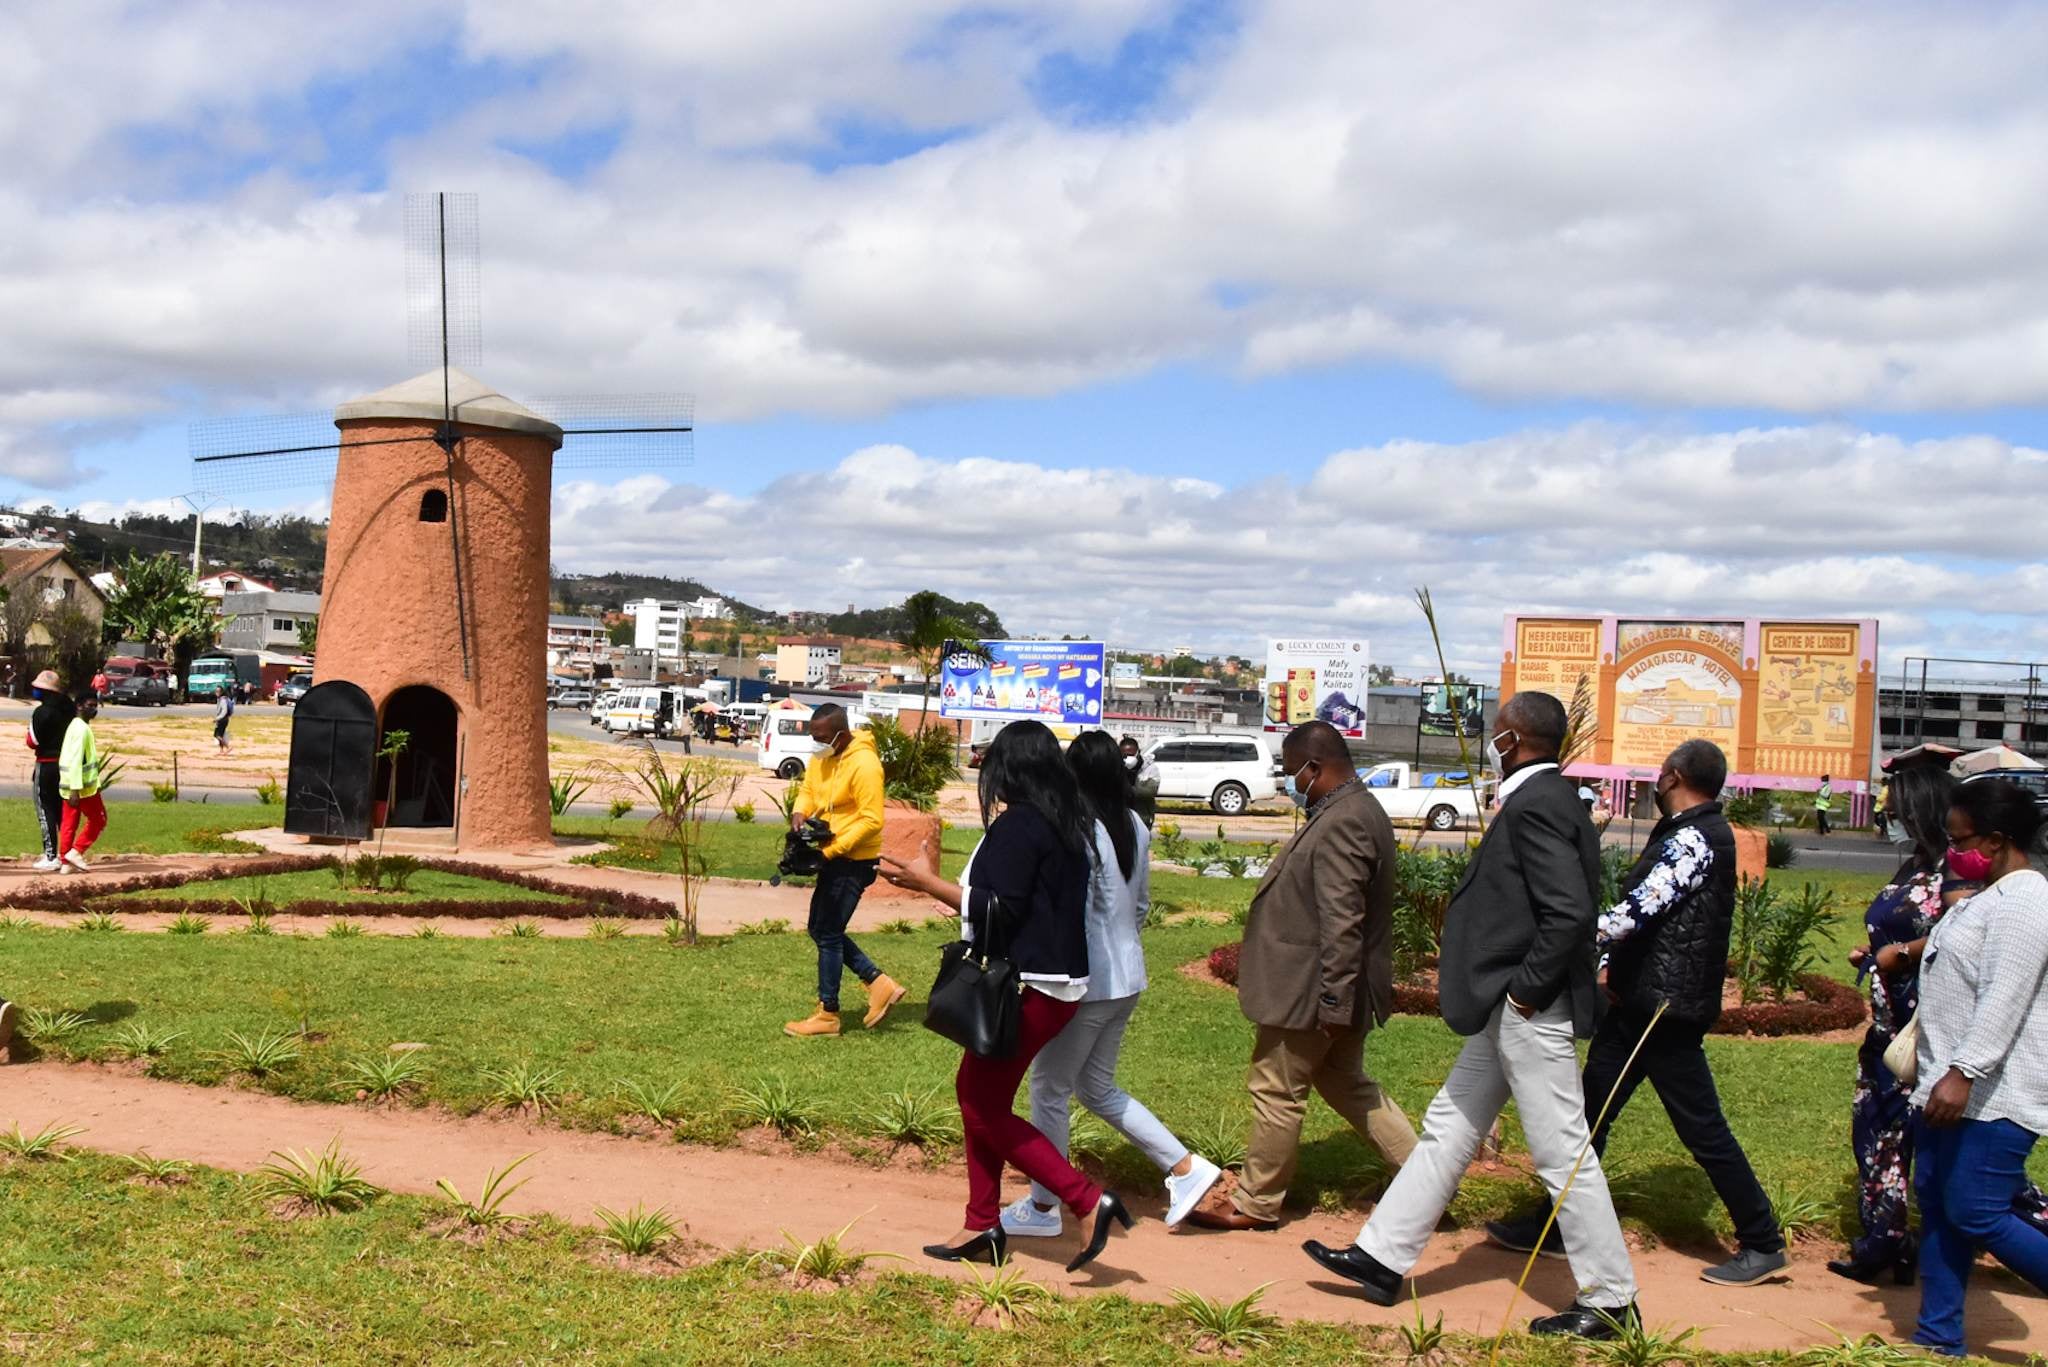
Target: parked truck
<point x="1439" y="801"/>
<point x="212" y="675"/>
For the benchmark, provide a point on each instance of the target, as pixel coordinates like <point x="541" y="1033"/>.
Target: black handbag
<point x="977" y="997"/>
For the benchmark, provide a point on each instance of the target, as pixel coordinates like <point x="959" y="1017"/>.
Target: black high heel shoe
<point x="991" y="1246"/>
<point x="1904" y="1267"/>
<point x="1109" y="1208"/>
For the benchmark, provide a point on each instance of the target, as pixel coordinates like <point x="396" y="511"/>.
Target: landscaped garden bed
<point x="326" y="885"/>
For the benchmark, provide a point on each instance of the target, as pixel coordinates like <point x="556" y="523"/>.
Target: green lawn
<point x="319" y="885"/>
<point x="710" y="1019"/>
<point x="101" y="1270"/>
<point x="145" y="827"/>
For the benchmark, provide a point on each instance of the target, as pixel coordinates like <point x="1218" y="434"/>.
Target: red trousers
<point x="70" y="836"/>
<point x="996" y="1134"/>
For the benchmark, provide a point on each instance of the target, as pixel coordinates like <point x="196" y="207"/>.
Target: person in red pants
<point x="78" y="779"/>
<point x="1025" y="888"/>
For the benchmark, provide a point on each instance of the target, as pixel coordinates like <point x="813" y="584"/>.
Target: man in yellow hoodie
<point x="842" y="787"/>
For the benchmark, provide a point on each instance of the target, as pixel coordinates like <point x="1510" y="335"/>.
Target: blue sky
<point x="1099" y="250"/>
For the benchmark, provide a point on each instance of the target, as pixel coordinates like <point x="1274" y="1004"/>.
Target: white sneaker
<point x="1022" y="1219"/>
<point x="47" y="864"/>
<point x="1183" y="1194"/>
<point x="65" y="869"/>
<point x="77" y="861"/>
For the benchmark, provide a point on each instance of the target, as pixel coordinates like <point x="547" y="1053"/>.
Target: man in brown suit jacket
<point x="1316" y="973"/>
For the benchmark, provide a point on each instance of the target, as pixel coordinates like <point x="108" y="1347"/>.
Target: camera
<point x="803" y="852"/>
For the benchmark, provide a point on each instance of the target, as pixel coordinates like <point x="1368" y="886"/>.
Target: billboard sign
<point x="1786" y="700"/>
<point x="1446" y="707"/>
<point x="1056" y="682"/>
<point x="1124" y="674"/>
<point x="1316" y="680"/>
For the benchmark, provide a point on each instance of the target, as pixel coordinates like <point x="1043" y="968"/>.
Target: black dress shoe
<point x="1381" y="1284"/>
<point x="1588" y="1322"/>
<point x="990" y="1246"/>
<point x="1903" y="1265"/>
<point x="1108" y="1209"/>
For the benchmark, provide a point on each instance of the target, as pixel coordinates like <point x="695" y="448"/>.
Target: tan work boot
<point x="819" y="1022"/>
<point x="883" y="993"/>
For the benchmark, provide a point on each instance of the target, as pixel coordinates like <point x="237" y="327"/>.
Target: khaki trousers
<point x="1286" y="1064"/>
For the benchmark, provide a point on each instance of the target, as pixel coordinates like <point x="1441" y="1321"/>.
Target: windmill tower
<point x="434" y="606"/>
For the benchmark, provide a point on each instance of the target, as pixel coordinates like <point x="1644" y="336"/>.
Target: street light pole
<point x="198" y="501"/>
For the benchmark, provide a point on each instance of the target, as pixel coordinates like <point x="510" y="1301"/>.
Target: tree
<point x="309" y="635"/>
<point x="619" y="633"/>
<point x="21" y="608"/>
<point x="158" y="603"/>
<point x="75" y="649"/>
<point x="1186" y="667"/>
<point x="1379" y="676"/>
<point x="927" y="629"/>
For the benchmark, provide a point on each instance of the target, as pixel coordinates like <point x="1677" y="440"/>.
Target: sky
<point x="1170" y="323"/>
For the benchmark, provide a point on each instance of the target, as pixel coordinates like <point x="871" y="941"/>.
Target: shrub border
<point x="1830" y="1006"/>
<point x="579" y="901"/>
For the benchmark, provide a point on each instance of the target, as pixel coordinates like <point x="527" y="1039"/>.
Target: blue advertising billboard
<point x="1048" y="681"/>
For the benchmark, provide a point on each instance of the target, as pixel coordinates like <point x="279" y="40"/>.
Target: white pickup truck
<point x="1439" y="801"/>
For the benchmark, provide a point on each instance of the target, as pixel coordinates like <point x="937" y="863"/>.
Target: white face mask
<point x="1495" y="755"/>
<point x="1130" y="761"/>
<point x="1297" y="794"/>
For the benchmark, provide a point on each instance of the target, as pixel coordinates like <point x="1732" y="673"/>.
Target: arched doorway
<point x="426" y="770"/>
<point x="327" y="782"/>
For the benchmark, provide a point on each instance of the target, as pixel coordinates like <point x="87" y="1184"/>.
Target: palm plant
<point x="927" y="633"/>
<point x="488" y="1211"/>
<point x="637" y="1232"/>
<point x="323" y="1182"/>
<point x="1238" y="1325"/>
<point x="1423" y="600"/>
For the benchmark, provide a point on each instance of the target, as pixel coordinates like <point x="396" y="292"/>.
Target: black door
<point x="334" y="743"/>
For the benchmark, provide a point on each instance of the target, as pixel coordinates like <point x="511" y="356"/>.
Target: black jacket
<point x="48" y="723"/>
<point x="1523" y="922"/>
<point x="1042" y="889"/>
<point x="1681" y="954"/>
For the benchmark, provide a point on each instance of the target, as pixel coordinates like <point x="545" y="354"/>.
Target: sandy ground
<point x="739" y="1199"/>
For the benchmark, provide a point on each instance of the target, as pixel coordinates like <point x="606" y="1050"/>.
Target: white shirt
<point x="1116" y="909"/>
<point x="1984" y="1002"/>
<point x="1521" y="776"/>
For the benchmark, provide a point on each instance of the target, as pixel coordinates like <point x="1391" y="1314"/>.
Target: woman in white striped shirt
<point x="1983" y="1059"/>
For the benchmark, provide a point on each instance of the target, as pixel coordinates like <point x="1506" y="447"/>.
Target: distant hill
<point x="884" y="623"/>
<point x="599" y="593"/>
<point x="296" y="546"/>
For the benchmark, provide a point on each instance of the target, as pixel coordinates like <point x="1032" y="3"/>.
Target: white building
<point x="219" y="586"/>
<point x="806" y="660"/>
<point x="660" y="624"/>
<point x="576" y="642"/>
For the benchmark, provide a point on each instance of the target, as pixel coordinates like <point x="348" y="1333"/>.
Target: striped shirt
<point x="1984" y="1002"/>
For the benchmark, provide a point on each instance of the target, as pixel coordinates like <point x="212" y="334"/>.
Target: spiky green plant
<point x="139" y="1039"/>
<point x="51" y="1027"/>
<point x="524" y="1083"/>
<point x="1635" y="1344"/>
<point x="162" y="1171"/>
<point x="1006" y="1293"/>
<point x="386" y="1075"/>
<point x="924" y="1118"/>
<point x="1801" y="1214"/>
<point x="42" y="1146"/>
<point x="102" y="922"/>
<point x="1423" y="1340"/>
<point x="659" y="1102"/>
<point x="522" y="930"/>
<point x="1240" y="1324"/>
<point x="185" y="923"/>
<point x="488" y="1211"/>
<point x="826" y="1259"/>
<point x="325" y="1182"/>
<point x="565" y="790"/>
<point x="259" y="1055"/>
<point x="259" y="923"/>
<point x="1087" y="1135"/>
<point x="604" y="928"/>
<point x="771" y="1101"/>
<point x="344" y="929"/>
<point x="1218" y="1137"/>
<point x="1871" y="1350"/>
<point x="637" y="1232"/>
<point x="426" y="930"/>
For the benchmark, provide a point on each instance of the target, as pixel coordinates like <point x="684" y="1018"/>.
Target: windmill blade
<point x="615" y="433"/>
<point x="233" y="457"/>
<point x="441" y="290"/>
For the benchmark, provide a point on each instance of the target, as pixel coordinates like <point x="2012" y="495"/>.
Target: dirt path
<point x="736" y="1199"/>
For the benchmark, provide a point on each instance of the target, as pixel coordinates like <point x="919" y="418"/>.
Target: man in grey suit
<point x="1518" y="978"/>
<point x="1316" y="973"/>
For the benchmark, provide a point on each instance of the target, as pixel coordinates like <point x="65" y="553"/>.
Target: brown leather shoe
<point x="1229" y="1217"/>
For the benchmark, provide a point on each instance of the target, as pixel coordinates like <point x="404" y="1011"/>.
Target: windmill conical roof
<point x="475" y="404"/>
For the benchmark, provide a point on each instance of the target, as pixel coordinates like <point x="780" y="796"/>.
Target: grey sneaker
<point x="1747" y="1268"/>
<point x="1518" y="1234"/>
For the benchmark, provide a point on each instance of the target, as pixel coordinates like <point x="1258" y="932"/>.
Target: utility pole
<point x="198" y="501"/>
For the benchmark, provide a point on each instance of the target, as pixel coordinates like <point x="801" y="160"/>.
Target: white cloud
<point x="1687" y="205"/>
<point x="1150" y="560"/>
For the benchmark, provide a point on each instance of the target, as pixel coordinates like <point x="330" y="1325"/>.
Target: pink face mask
<point x="1972" y="866"/>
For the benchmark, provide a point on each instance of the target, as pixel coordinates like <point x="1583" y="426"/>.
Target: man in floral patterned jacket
<point x="1666" y="943"/>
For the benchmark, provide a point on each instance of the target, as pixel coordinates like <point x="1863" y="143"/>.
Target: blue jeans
<point x="833" y="902"/>
<point x="1969" y="1174"/>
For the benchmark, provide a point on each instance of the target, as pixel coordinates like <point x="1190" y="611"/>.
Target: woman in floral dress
<point x="1881" y="1125"/>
